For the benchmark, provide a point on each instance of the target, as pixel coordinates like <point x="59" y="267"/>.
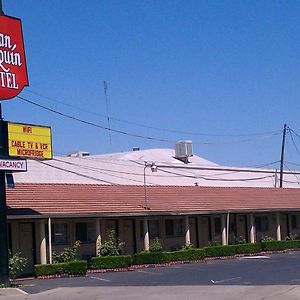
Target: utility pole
<point x="282" y="155"/>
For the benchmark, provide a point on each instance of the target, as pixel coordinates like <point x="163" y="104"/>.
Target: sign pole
<point x="4" y="271"/>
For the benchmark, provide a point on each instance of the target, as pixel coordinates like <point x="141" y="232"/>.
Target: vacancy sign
<point x="29" y="141"/>
<point x="13" y="71"/>
<point x="13" y="165"/>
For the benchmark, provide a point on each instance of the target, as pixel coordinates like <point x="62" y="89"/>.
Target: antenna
<point x="107" y="112"/>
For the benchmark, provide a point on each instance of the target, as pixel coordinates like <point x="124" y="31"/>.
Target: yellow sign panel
<point x="29" y="141"/>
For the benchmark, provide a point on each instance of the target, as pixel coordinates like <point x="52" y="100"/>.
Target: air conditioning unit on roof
<point x="183" y="150"/>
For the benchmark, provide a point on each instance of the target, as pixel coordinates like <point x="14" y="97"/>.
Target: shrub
<point x="247" y="248"/>
<point x="77" y="267"/>
<point x="215" y="251"/>
<point x="155" y="246"/>
<point x="67" y="255"/>
<point x="165" y="257"/>
<point x="280" y="245"/>
<point x="146" y="257"/>
<point x="186" y="255"/>
<point x="16" y="265"/>
<point x="214" y="243"/>
<point x="266" y="239"/>
<point x="50" y="269"/>
<point x="240" y="240"/>
<point x="187" y="247"/>
<point x="112" y="246"/>
<point x="291" y="237"/>
<point x="111" y="262"/>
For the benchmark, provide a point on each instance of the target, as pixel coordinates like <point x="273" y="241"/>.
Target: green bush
<point x="185" y="255"/>
<point x="16" y="264"/>
<point x="111" y="262"/>
<point x="112" y="246"/>
<point x="68" y="254"/>
<point x="291" y="237"/>
<point x="78" y="267"/>
<point x="247" y="248"/>
<point x="165" y="257"/>
<point x="50" y="269"/>
<point x="187" y="247"/>
<point x="280" y="245"/>
<point x="216" y="251"/>
<point x="266" y="238"/>
<point x="149" y="258"/>
<point x="155" y="246"/>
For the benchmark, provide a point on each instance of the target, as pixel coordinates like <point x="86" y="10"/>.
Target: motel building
<point x="145" y="194"/>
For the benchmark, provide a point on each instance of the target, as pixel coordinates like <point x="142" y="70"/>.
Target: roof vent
<point x="136" y="149"/>
<point x="79" y="154"/>
<point x="183" y="150"/>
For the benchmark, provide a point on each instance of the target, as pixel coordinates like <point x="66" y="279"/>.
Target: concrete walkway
<point x="287" y="292"/>
<point x="5" y="292"/>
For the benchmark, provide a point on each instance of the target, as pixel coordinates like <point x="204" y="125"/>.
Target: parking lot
<point x="273" y="276"/>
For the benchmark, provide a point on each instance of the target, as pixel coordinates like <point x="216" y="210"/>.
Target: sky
<point x="224" y="74"/>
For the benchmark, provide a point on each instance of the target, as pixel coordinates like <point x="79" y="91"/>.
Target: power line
<point x="293" y="141"/>
<point x="120" y="162"/>
<point x="219" y="179"/>
<point x="73" y="172"/>
<point x="153" y="127"/>
<point x="291" y="172"/>
<point x="131" y="134"/>
<point x="92" y="124"/>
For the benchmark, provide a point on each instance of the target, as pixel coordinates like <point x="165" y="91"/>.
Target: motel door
<point x="27" y="249"/>
<point x="193" y="231"/>
<point x="205" y="231"/>
<point x="128" y="236"/>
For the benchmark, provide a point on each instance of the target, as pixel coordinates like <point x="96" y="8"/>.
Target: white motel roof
<point x="128" y="169"/>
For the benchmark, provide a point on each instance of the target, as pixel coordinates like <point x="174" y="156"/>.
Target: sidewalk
<point x="11" y="292"/>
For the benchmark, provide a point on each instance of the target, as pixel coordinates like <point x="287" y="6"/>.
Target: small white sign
<point x="13" y="165"/>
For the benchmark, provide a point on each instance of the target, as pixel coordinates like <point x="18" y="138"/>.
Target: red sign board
<point x="13" y="71"/>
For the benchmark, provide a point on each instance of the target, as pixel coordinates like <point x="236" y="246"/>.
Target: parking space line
<point x="225" y="280"/>
<point x="149" y="272"/>
<point x="100" y="279"/>
<point x="254" y="257"/>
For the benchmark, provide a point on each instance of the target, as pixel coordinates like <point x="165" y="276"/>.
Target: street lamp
<point x="153" y="168"/>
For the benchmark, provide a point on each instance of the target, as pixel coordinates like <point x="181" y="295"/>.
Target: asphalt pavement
<point x="275" y="276"/>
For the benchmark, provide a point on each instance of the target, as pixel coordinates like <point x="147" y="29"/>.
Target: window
<point x="174" y="227"/>
<point x="59" y="234"/>
<point x="85" y="232"/>
<point x="262" y="224"/>
<point x="153" y="227"/>
<point x="295" y="221"/>
<point x="217" y="226"/>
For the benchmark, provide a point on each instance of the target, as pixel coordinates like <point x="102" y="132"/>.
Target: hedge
<point x="216" y="251"/>
<point x="111" y="262"/>
<point x="280" y="245"/>
<point x="247" y="248"/>
<point x="185" y="255"/>
<point x="166" y="257"/>
<point x="124" y="261"/>
<point x="78" y="267"/>
<point x="149" y="258"/>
